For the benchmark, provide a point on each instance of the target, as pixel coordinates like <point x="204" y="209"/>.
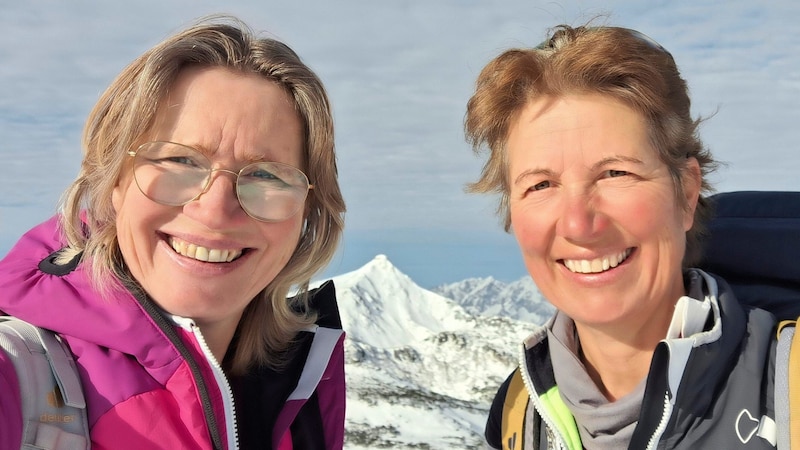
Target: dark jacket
<point x="705" y="391"/>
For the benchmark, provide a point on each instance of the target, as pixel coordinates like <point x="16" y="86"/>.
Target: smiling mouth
<point x="597" y="265"/>
<point x="200" y="253"/>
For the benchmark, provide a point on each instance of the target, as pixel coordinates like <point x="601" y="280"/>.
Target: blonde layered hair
<point x="619" y="63"/>
<point x="125" y="113"/>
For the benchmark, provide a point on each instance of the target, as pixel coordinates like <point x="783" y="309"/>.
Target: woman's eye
<point x="540" y="185"/>
<point x="263" y="175"/>
<point x="612" y="173"/>
<point x="267" y="178"/>
<point x="180" y="160"/>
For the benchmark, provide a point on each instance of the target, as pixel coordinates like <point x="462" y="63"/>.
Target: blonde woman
<point x="208" y="190"/>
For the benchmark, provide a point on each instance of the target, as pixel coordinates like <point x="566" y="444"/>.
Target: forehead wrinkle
<point x="231" y="134"/>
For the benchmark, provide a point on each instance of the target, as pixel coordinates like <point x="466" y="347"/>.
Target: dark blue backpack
<point x="754" y="244"/>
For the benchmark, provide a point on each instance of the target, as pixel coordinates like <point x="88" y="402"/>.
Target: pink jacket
<point x="147" y="381"/>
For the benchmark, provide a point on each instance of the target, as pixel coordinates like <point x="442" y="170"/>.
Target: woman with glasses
<point x="602" y="179"/>
<point x="178" y="270"/>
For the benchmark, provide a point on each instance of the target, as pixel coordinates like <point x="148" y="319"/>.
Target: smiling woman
<point x="602" y="176"/>
<point x="243" y="118"/>
<point x="168" y="271"/>
<point x="597" y="220"/>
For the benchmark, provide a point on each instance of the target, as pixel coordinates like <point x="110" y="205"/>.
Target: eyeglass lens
<point x="174" y="174"/>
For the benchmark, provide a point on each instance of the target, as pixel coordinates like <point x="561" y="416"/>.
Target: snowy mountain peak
<point x="378" y="276"/>
<point x="433" y="360"/>
<point x="421" y="356"/>
<point x="381" y="267"/>
<point x="382" y="307"/>
<point x="519" y="300"/>
<point x="380" y="258"/>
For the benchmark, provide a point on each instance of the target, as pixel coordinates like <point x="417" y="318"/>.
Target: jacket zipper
<point x="662" y="424"/>
<point x="168" y="329"/>
<point x="224" y="385"/>
<point x="553" y="434"/>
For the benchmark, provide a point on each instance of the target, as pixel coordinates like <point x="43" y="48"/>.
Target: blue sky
<point x="399" y="74"/>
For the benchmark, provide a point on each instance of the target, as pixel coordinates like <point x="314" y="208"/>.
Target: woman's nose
<point x="580" y="220"/>
<point x="218" y="204"/>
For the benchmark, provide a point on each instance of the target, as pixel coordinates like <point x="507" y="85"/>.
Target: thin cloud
<point x="399" y="75"/>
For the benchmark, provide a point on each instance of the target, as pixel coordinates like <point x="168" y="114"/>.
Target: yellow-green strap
<point x="515" y="406"/>
<point x="564" y="421"/>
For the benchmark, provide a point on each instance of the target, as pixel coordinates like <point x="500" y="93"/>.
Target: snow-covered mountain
<point x="421" y="369"/>
<point x="520" y="300"/>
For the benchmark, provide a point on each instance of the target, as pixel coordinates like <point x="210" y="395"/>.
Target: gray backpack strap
<point x="783" y="394"/>
<point x="53" y="406"/>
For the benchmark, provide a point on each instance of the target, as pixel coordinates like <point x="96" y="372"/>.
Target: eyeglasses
<point x="174" y="174"/>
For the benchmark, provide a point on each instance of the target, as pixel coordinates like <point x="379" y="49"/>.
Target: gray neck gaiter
<point x="603" y="425"/>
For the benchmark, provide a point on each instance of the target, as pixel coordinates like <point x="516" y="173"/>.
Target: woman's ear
<point x="692" y="183"/>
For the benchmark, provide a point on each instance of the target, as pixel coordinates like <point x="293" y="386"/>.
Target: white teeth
<point x="216" y="255"/>
<point x="199" y="253"/>
<point x="596" y="265"/>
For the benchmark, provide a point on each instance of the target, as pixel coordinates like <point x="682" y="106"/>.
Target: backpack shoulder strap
<point x="53" y="405"/>
<point x="514" y="408"/>
<point x="787" y="385"/>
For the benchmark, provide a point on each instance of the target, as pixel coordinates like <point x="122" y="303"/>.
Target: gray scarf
<point x="605" y="425"/>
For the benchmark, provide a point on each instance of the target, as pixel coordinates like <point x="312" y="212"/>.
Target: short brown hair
<point x="620" y="63"/>
<point x="126" y="111"/>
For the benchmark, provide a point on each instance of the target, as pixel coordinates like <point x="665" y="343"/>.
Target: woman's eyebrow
<point x="596" y="166"/>
<point x="533" y="172"/>
<point x="616" y="159"/>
